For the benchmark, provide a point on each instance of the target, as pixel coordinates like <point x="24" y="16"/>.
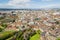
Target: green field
<point x="58" y="38"/>
<point x="35" y="37"/>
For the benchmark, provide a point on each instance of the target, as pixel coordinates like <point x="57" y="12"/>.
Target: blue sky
<point x="30" y="4"/>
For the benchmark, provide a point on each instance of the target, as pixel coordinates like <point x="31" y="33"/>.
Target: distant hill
<point x="9" y="9"/>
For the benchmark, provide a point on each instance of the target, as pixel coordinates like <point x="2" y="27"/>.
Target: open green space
<point x="35" y="37"/>
<point x="58" y="38"/>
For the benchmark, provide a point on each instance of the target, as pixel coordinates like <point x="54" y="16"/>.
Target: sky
<point x="34" y="4"/>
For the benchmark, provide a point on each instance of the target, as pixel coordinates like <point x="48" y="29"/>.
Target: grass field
<point x="35" y="37"/>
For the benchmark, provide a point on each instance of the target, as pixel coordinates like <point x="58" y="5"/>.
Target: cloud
<point x="18" y="1"/>
<point x="47" y="0"/>
<point x="51" y="6"/>
<point x="16" y="4"/>
<point x="30" y="6"/>
<point x="26" y="4"/>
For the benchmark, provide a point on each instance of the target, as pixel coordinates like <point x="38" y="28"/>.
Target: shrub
<point x="6" y="34"/>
